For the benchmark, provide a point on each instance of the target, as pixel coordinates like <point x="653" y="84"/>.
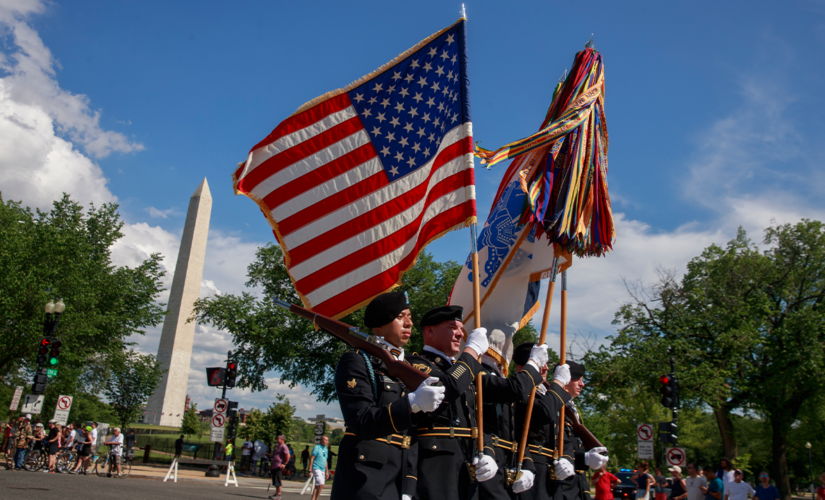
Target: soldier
<point x="500" y="396"/>
<point x="375" y="455"/>
<point x="576" y="460"/>
<point x="447" y="436"/>
<point x="541" y="439"/>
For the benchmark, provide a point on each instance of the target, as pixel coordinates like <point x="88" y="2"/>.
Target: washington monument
<point x="166" y="405"/>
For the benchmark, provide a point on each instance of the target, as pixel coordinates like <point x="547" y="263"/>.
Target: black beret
<point x="576" y="370"/>
<point x="439" y="315"/>
<point x="521" y="354"/>
<point x="385" y="308"/>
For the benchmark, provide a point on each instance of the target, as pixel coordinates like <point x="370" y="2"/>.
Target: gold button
<point x="402" y="393"/>
<point x="438" y="360"/>
<point x="361" y="457"/>
<point x="434" y="446"/>
<point x="388" y="387"/>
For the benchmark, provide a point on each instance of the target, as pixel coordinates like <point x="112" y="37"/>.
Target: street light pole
<point x="811" y="465"/>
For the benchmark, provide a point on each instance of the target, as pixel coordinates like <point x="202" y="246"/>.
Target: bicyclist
<point x="115" y="451"/>
<point x="85" y="451"/>
<point x="23" y="437"/>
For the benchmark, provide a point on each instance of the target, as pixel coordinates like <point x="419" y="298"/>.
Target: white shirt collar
<point x="486" y="358"/>
<point x="436" y="351"/>
<point x="400" y="356"/>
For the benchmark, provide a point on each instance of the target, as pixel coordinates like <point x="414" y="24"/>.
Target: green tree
<point x="66" y="253"/>
<point x="746" y="328"/>
<point x="191" y="424"/>
<point x="268" y="338"/>
<point x="133" y="380"/>
<point x="267" y="426"/>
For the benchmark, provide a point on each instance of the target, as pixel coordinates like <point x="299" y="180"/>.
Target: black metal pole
<point x="811" y="465"/>
<point x="223" y="396"/>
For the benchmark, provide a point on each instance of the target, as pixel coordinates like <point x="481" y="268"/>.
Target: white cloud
<point x="163" y="214"/>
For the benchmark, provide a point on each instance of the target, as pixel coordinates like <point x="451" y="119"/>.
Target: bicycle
<point x="105" y="465"/>
<point x="35" y="459"/>
<point x="65" y="458"/>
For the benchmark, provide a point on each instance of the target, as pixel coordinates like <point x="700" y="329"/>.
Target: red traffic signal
<point x="45" y="342"/>
<point x="664" y="379"/>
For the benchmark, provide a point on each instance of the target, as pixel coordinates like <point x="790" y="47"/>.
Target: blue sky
<point x="714" y="111"/>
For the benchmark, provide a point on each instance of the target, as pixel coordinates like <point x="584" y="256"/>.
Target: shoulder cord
<point x="372" y="375"/>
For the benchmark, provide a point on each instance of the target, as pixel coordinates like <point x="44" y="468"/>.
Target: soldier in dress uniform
<point x="576" y="460"/>
<point x="447" y="436"/>
<point x="376" y="454"/>
<point x="541" y="439"/>
<point x="500" y="397"/>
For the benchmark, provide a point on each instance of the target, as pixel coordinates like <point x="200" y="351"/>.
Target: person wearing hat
<point x="376" y="458"/>
<point x="447" y="436"/>
<point x="575" y="460"/>
<point x="500" y="396"/>
<point x="544" y="421"/>
<point x="85" y="453"/>
<point x="678" y="487"/>
<point x="23" y="436"/>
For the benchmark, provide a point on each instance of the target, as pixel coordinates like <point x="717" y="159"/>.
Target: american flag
<point x="358" y="181"/>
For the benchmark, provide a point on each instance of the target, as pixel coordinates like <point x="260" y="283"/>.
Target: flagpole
<point x="477" y="324"/>
<point x="545" y="320"/>
<point x="562" y="358"/>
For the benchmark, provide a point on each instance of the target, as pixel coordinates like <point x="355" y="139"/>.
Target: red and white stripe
<point x="346" y="229"/>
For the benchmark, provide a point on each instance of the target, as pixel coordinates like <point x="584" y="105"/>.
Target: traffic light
<point x="215" y="376"/>
<point x="55" y="353"/>
<point x="43" y="350"/>
<point x="40" y="378"/>
<point x="233" y="409"/>
<point x="232" y="428"/>
<point x="231" y="373"/>
<point x="669" y="390"/>
<point x="668" y="432"/>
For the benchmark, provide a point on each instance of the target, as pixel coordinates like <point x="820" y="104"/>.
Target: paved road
<point x="39" y="486"/>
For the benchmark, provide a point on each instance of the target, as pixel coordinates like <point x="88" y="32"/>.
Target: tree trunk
<point x="779" y="452"/>
<point x="723" y="420"/>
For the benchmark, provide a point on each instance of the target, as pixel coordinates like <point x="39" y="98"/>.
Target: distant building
<point x="332" y="422"/>
<point x="206" y="415"/>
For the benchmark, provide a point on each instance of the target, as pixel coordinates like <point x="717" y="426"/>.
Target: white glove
<point x="564" y="469"/>
<point x="594" y="458"/>
<point x="525" y="482"/>
<point x="538" y="354"/>
<point x="426" y="397"/>
<point x="406" y="497"/>
<point x="477" y="341"/>
<point x="562" y="374"/>
<point x="486" y="466"/>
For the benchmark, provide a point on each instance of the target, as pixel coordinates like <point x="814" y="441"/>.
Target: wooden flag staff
<point x="477" y="324"/>
<point x="562" y="359"/>
<point x="545" y="319"/>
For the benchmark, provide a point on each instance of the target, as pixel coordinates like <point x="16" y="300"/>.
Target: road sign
<point x="221" y="405"/>
<point x="15" y="400"/>
<point x="33" y="403"/>
<point x="645" y="450"/>
<point x="320" y="428"/>
<point x="644" y="433"/>
<point x="676" y="456"/>
<point x="218" y="420"/>
<point x="217" y="435"/>
<point x="51" y="373"/>
<point x="61" y="413"/>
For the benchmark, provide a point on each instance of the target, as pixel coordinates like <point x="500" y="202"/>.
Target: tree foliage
<point x="746" y="329"/>
<point x="269" y="338"/>
<point x="66" y="253"/>
<point x="191" y="424"/>
<point x="134" y="378"/>
<point x="267" y="426"/>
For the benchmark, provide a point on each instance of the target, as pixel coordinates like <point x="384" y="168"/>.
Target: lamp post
<point x="811" y="465"/>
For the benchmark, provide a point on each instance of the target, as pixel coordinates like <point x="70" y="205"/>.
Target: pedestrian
<point x="715" y="488"/>
<point x="131" y="440"/>
<point x="280" y="459"/>
<point x="178" y="446"/>
<point x="738" y="489"/>
<point x="24" y="436"/>
<point x="318" y="466"/>
<point x="766" y="491"/>
<point x="660" y="484"/>
<point x="678" y="490"/>
<point x="820" y="492"/>
<point x="94" y="437"/>
<point x="604" y="482"/>
<point x="695" y="482"/>
<point x="115" y="451"/>
<point x="643" y="481"/>
<point x="8" y="438"/>
<point x="259" y="450"/>
<point x="305" y="459"/>
<point x="227" y="451"/>
<point x="53" y="440"/>
<point x="246" y="455"/>
<point x="85" y="454"/>
<point x="725" y="473"/>
<point x="39" y="437"/>
<point x="330" y="455"/>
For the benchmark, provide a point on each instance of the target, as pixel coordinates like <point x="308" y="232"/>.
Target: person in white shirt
<point x="115" y="451"/>
<point x="738" y="489"/>
<point x="694" y="482"/>
<point x="259" y="450"/>
<point x="246" y="455"/>
<point x="94" y="436"/>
